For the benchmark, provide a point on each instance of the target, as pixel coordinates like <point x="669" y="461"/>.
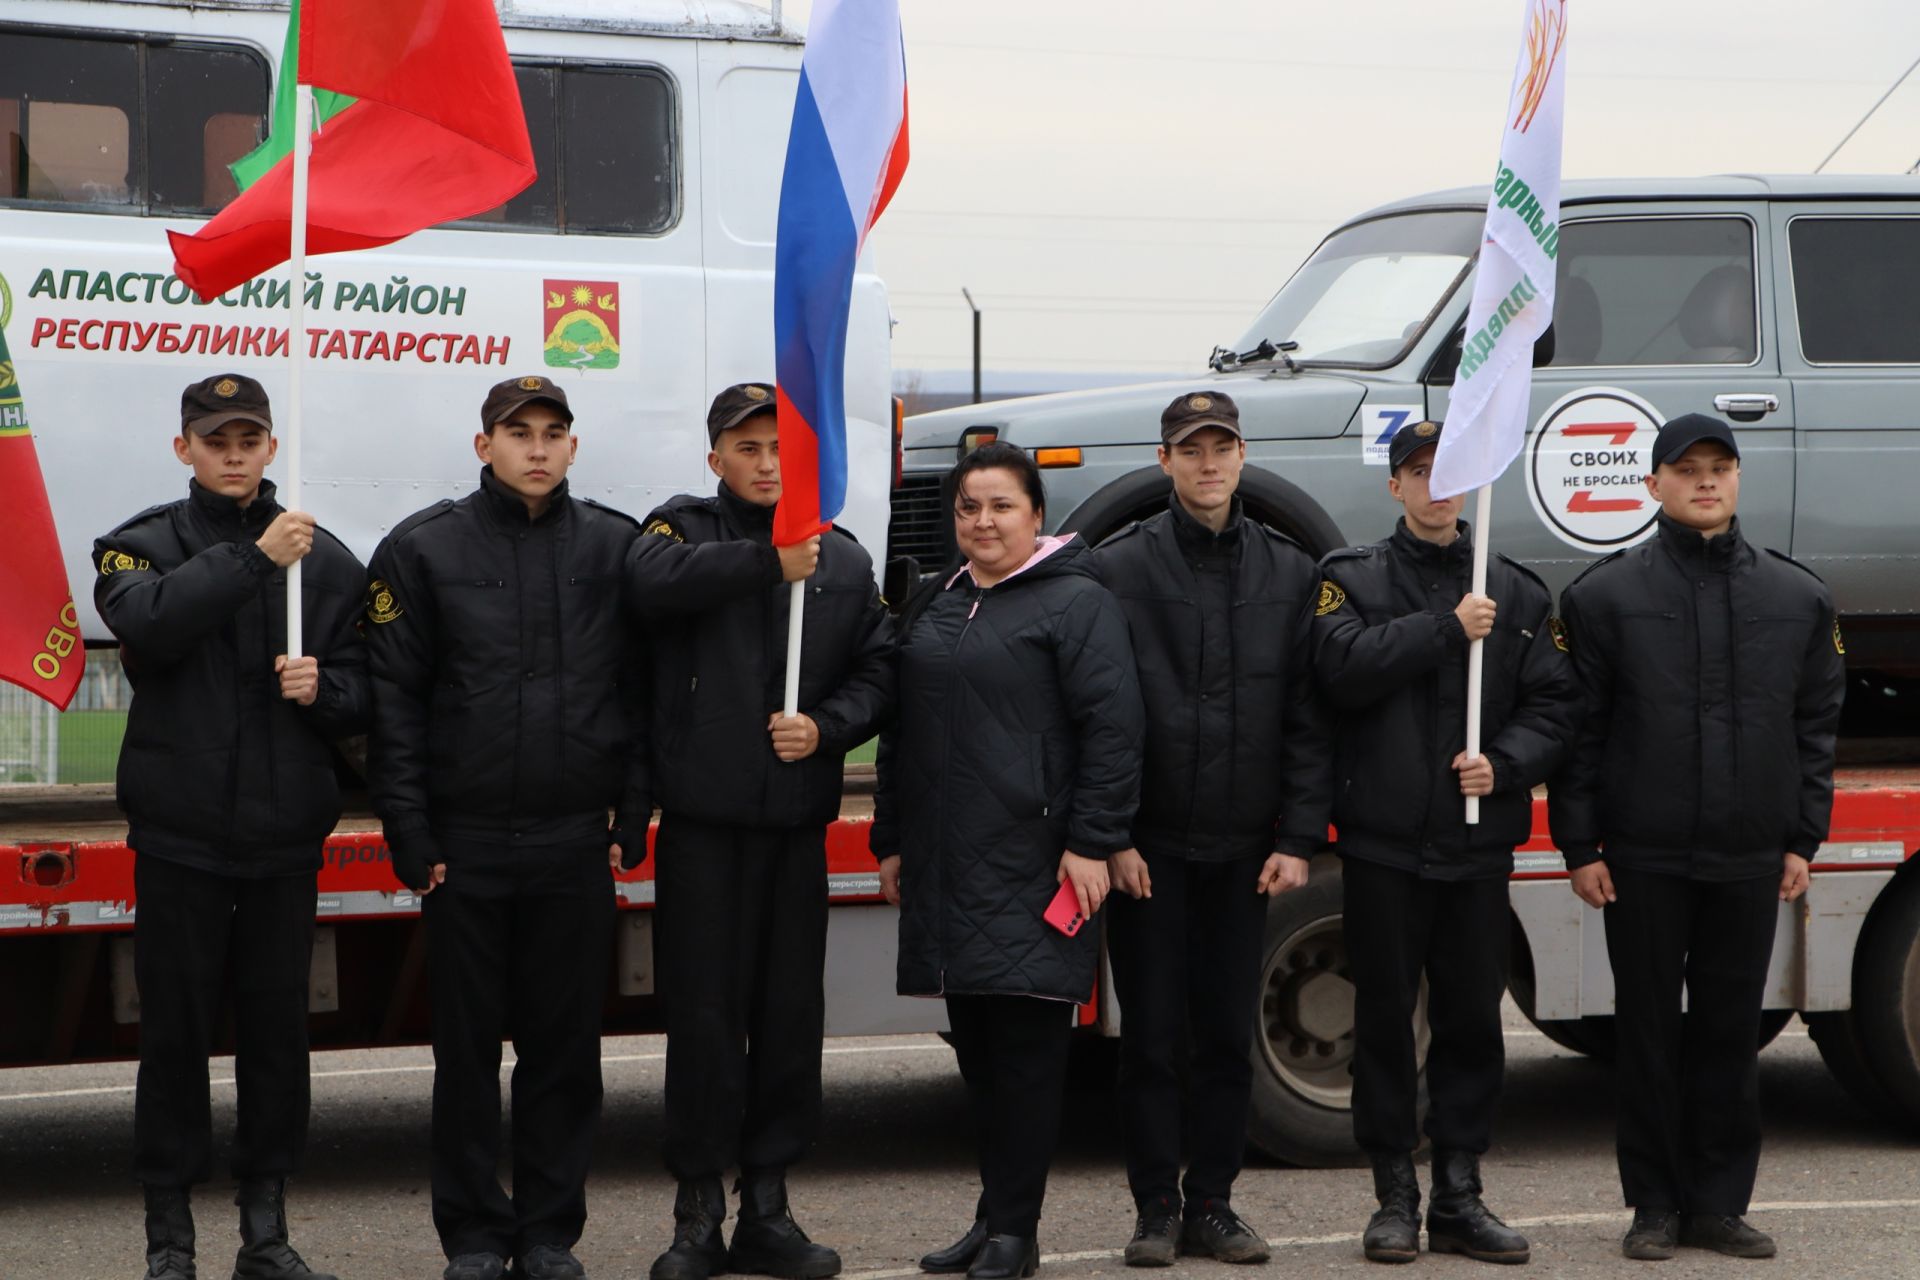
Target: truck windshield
<point x="1368" y="291"/>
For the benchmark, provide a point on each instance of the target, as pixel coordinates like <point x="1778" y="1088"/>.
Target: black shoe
<point x="264" y="1251"/>
<point x="699" y="1247"/>
<point x="766" y="1239"/>
<point x="1653" y="1237"/>
<point x="1156" y="1235"/>
<point x="959" y="1255"/>
<point x="475" y="1266"/>
<point x="549" y="1262"/>
<point x="1215" y="1231"/>
<point x="1728" y="1234"/>
<point x="1457" y="1220"/>
<point x="1393" y="1232"/>
<point x="169" y="1234"/>
<point x="1005" y="1258"/>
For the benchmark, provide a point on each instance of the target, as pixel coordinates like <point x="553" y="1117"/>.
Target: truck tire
<point x="1886" y="999"/>
<point x="1268" y="498"/>
<point x="1837" y="1036"/>
<point x="1303" y="1033"/>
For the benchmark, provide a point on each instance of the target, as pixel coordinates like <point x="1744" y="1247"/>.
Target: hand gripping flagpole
<point x="296" y="342"/>
<point x="1476" y="652"/>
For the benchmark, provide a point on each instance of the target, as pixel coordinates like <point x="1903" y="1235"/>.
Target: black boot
<point x="766" y="1239"/>
<point x="1457" y="1222"/>
<point x="1393" y="1232"/>
<point x="264" y="1251"/>
<point x="699" y="1247"/>
<point x="169" y="1234"/>
<point x="959" y="1255"/>
<point x="1005" y="1258"/>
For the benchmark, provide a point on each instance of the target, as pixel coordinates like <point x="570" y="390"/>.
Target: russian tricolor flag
<point x="845" y="157"/>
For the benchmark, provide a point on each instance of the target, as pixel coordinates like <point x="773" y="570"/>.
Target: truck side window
<point x="125" y="124"/>
<point x="1854" y="283"/>
<point x="604" y="143"/>
<point x="1655" y="291"/>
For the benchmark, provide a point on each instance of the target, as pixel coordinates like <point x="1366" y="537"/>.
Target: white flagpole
<point x="1476" y="652"/>
<point x="796" y="604"/>
<point x="296" y="343"/>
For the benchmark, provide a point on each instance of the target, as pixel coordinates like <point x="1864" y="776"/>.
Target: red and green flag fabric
<point x="253" y="166"/>
<point x="40" y="646"/>
<point x="437" y="133"/>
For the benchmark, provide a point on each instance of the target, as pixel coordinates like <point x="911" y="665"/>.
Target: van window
<point x="125" y="124"/>
<point x="604" y="144"/>
<point x="1854" y="285"/>
<point x="1655" y="291"/>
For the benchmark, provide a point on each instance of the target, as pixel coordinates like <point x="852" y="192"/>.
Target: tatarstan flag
<point x="257" y="163"/>
<point x="39" y="632"/>
<point x="438" y="134"/>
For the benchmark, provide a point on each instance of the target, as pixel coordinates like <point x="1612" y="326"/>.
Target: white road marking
<point x="1618" y="1217"/>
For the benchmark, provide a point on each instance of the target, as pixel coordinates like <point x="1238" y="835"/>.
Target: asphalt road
<point x="893" y="1175"/>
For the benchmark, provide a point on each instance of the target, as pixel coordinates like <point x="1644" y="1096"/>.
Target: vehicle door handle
<point x="1747" y="406"/>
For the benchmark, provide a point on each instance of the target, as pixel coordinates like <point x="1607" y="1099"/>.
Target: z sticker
<point x="381" y="606"/>
<point x="1558" y="630"/>
<point x="112" y="562"/>
<point x="1839" y="646"/>
<point x="1331" y="598"/>
<point x="662" y="528"/>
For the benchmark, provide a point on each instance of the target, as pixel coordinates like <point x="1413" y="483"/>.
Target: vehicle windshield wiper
<point x="1225" y="358"/>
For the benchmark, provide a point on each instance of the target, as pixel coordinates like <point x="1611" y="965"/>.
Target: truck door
<point x="1850" y="341"/>
<point x="1656" y="314"/>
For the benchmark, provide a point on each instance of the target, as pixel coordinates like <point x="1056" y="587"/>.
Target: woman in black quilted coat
<point x="1014" y="768"/>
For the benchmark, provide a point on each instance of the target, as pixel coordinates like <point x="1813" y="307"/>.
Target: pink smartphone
<point x="1063" y="913"/>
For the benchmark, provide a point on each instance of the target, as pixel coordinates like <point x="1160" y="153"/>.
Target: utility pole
<point x="976" y="343"/>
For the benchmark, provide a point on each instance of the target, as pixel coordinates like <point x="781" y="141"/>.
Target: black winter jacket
<point x="218" y="771"/>
<point x="1018" y="739"/>
<point x="704" y="583"/>
<point x="1392" y="660"/>
<point x="1238" y="756"/>
<point x="1713" y="677"/>
<point x="503" y="681"/>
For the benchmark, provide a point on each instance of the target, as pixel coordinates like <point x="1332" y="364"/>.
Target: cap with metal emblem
<point x="1687" y="430"/>
<point x="1197" y="410"/>
<point x="508" y="397"/>
<point x="736" y="404"/>
<point x="211" y="403"/>
<point x="1410" y="439"/>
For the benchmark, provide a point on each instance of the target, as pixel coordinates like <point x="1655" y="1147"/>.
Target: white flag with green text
<point x="1513" y="284"/>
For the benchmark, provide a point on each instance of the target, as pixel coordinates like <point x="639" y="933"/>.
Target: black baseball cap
<point x="1687" y="430"/>
<point x="736" y="404"/>
<point x="1409" y="440"/>
<point x="507" y="397"/>
<point x="211" y="403"/>
<point x="1197" y="410"/>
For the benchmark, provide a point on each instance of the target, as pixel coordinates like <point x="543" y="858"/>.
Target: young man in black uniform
<point x="1426" y="892"/>
<point x="1697" y="792"/>
<point x="1234" y="802"/>
<point x="503" y="687"/>
<point x="227" y="780"/>
<point x="745" y="796"/>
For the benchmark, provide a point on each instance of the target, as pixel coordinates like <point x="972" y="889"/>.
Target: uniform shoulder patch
<point x="1558" y="630"/>
<point x="112" y="562"/>
<point x="1331" y="598"/>
<point x="381" y="605"/>
<point x="662" y="526"/>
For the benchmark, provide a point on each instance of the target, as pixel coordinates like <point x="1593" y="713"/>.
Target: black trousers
<point x="1398" y="927"/>
<point x="1013" y="1057"/>
<point x="517" y="947"/>
<point x="191" y="929"/>
<point x="1186" y="967"/>
<point x="742" y="936"/>
<point x="1689" y="1085"/>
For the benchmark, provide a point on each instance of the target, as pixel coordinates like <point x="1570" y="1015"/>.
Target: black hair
<point x="999" y="454"/>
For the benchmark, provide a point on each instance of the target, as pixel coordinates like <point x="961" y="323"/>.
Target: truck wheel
<point x="1886" y="999"/>
<point x="1837" y="1036"/>
<point x="1303" y="1033"/>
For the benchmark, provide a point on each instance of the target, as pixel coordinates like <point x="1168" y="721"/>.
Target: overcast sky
<point x="1122" y="184"/>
